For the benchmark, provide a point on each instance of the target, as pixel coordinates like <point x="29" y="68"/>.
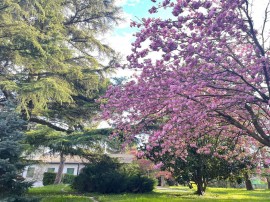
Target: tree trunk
<point x="201" y="185"/>
<point x="248" y="182"/>
<point x="162" y="181"/>
<point x="190" y="185"/>
<point x="59" y="175"/>
<point x="200" y="181"/>
<point x="268" y="182"/>
<point x="200" y="188"/>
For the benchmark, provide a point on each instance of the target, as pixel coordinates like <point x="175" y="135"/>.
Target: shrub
<point x="68" y="179"/>
<point x="111" y="182"/>
<point x="48" y="178"/>
<point x="140" y="184"/>
<point x="103" y="176"/>
<point x="109" y="176"/>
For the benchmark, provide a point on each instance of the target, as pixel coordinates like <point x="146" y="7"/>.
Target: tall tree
<point x="12" y="184"/>
<point x="51" y="59"/>
<point x="210" y="73"/>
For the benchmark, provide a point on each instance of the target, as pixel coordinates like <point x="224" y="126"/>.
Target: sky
<point x="122" y="36"/>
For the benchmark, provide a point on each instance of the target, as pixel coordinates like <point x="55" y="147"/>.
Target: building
<point x="73" y="166"/>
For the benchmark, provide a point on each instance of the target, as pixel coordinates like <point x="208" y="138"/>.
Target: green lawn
<point x="183" y="194"/>
<point x="57" y="193"/>
<point x="63" y="193"/>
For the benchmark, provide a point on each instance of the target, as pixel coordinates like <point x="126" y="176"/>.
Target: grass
<point x="183" y="194"/>
<point x="57" y="193"/>
<point x="63" y="193"/>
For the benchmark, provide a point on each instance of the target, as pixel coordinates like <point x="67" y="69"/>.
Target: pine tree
<point x="51" y="59"/>
<point x="12" y="184"/>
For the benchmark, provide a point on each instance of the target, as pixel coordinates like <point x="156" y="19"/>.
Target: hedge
<point x="48" y="178"/>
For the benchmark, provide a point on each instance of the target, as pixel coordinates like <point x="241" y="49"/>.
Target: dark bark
<point x="248" y="182"/>
<point x="190" y="185"/>
<point x="200" y="189"/>
<point x="268" y="182"/>
<point x="200" y="182"/>
<point x="59" y="175"/>
<point x="50" y="124"/>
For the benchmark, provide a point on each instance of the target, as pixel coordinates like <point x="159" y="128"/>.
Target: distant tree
<point x="12" y="184"/>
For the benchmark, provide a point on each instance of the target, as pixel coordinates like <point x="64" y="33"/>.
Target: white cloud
<point x="120" y="2"/>
<point x="133" y="2"/>
<point x="126" y="20"/>
<point x="122" y="44"/>
<point x="127" y="2"/>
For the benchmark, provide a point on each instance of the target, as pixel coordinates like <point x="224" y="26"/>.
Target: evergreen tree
<point x="51" y="59"/>
<point x="53" y="63"/>
<point x="12" y="184"/>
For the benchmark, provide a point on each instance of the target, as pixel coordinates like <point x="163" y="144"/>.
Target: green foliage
<point x="102" y="176"/>
<point x="51" y="57"/>
<point x="48" y="178"/>
<point x="131" y="169"/>
<point x="201" y="168"/>
<point x="107" y="175"/>
<point x="140" y="184"/>
<point x="12" y="184"/>
<point x="68" y="179"/>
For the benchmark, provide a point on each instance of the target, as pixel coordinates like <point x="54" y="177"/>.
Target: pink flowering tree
<point x="204" y="70"/>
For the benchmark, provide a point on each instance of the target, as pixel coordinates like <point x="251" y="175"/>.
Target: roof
<point x="47" y="158"/>
<point x="54" y="159"/>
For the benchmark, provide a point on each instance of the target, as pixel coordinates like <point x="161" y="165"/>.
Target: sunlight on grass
<point x="179" y="194"/>
<point x="63" y="193"/>
<point x="51" y="189"/>
<point x="69" y="198"/>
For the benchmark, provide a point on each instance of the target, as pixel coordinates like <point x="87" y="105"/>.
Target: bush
<point x="103" y="176"/>
<point x="48" y="178"/>
<point x="68" y="179"/>
<point x="140" y="184"/>
<point x="111" y="182"/>
<point x="109" y="176"/>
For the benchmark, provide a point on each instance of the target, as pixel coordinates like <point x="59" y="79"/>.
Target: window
<point x="70" y="171"/>
<point x="50" y="170"/>
<point x="30" y="172"/>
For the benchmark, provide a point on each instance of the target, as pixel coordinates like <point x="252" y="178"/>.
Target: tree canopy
<point x="52" y="59"/>
<point x="208" y="160"/>
<point x="209" y="75"/>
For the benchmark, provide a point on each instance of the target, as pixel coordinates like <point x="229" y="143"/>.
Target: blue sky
<point x="134" y="10"/>
<point x="121" y="37"/>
